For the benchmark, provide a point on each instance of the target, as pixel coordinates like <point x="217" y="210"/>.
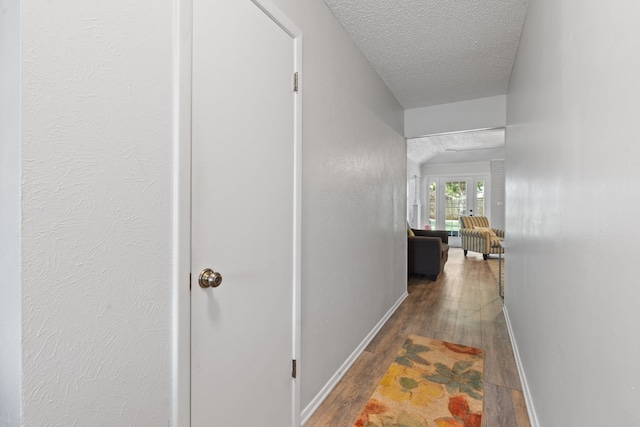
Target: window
<point x="479" y="198"/>
<point x="455" y="193"/>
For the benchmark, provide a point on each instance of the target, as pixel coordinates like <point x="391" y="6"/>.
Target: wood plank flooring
<point x="462" y="306"/>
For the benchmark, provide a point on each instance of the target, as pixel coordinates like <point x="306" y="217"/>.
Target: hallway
<point x="462" y="306"/>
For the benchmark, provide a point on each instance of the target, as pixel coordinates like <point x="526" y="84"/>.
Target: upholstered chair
<point x="428" y="252"/>
<point x="478" y="236"/>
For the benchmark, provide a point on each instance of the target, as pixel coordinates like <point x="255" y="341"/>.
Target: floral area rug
<point x="430" y="384"/>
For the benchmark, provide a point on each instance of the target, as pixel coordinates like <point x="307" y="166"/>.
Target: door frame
<point x="181" y="221"/>
<point x="441" y="179"/>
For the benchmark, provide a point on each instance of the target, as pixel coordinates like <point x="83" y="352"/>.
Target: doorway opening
<point x="452" y="197"/>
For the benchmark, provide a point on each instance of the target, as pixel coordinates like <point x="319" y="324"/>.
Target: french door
<point x="453" y="197"/>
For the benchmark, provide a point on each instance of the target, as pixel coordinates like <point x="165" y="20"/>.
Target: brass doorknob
<point x="209" y="278"/>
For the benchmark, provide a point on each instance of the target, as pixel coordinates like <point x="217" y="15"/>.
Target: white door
<point x="244" y="211"/>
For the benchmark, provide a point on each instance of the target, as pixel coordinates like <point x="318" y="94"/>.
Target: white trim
<point x="533" y="417"/>
<point x="333" y="381"/>
<point x="283" y="21"/>
<point x="453" y="132"/>
<point x="181" y="299"/>
<point x="471" y="180"/>
<point x="272" y="11"/>
<point x="297" y="246"/>
<point x="181" y="357"/>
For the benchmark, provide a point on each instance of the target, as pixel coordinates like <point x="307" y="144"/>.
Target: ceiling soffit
<point x="481" y="145"/>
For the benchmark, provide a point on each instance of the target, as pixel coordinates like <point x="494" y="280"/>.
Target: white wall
<point x="483" y="113"/>
<point x="10" y="313"/>
<point x="97" y="157"/>
<point x="456" y="169"/>
<point x="572" y="201"/>
<point x="96" y="212"/>
<point x="412" y="169"/>
<point x="354" y="192"/>
<point x="414" y="212"/>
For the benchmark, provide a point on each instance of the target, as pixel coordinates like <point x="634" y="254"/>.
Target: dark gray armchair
<point x="428" y="252"/>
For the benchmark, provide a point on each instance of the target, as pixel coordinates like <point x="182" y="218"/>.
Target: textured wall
<point x="572" y="199"/>
<point x="10" y="313"/>
<point x="96" y="199"/>
<point x="412" y="169"/>
<point x="414" y="215"/>
<point x="456" y="169"/>
<point x="354" y="196"/>
<point x="97" y="167"/>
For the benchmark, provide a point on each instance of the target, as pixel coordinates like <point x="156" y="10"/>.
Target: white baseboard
<point x="322" y="395"/>
<point x="533" y="418"/>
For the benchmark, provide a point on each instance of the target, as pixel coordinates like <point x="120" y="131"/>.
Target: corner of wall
<point x="533" y="417"/>
<point x="309" y="410"/>
<point x="10" y="217"/>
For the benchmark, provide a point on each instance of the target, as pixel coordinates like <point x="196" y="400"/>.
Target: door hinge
<point x="189" y="281"/>
<point x="294" y="369"/>
<point x="295" y="81"/>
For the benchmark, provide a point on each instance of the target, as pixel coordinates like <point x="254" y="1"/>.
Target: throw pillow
<point x="410" y="232"/>
<point x="491" y="232"/>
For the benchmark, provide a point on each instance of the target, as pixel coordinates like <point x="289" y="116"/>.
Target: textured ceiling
<point x="474" y="146"/>
<point x="432" y="52"/>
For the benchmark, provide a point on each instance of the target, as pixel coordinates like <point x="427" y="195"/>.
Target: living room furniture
<point x="428" y="251"/>
<point x="478" y="236"/>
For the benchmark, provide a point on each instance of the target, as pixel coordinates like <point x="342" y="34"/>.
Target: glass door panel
<point x="450" y="197"/>
<point x="479" y="198"/>
<point x="455" y="205"/>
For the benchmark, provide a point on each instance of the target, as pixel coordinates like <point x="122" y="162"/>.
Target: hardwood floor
<point x="462" y="306"/>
